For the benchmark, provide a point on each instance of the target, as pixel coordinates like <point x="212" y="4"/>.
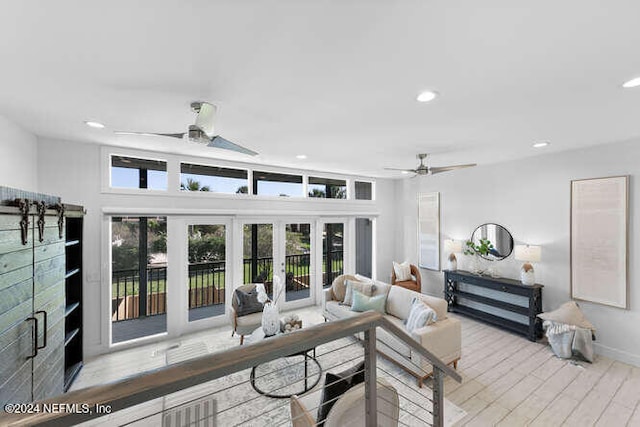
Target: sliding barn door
<point x="49" y="304"/>
<point x="17" y="327"/>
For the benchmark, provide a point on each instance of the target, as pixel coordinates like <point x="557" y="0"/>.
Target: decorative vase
<point x="270" y="319"/>
<point x="492" y="269"/>
<point x="476" y="265"/>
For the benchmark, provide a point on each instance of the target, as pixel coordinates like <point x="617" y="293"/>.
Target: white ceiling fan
<point x="423" y="169"/>
<point x="201" y="132"/>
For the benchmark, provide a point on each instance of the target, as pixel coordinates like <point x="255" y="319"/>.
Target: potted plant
<point x="478" y="251"/>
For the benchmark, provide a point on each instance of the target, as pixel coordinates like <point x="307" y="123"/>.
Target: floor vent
<point x="201" y="413"/>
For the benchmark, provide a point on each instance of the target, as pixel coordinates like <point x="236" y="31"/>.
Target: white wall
<point x="531" y="198"/>
<point x="18" y="158"/>
<point x="74" y="172"/>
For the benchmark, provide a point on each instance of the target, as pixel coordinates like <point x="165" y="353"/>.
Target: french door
<point x="283" y="249"/>
<point x="208" y="269"/>
<point x="139" y="282"/>
<point x="296" y="261"/>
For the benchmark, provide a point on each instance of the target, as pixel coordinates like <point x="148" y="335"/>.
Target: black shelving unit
<point x="502" y="289"/>
<point x="73" y="294"/>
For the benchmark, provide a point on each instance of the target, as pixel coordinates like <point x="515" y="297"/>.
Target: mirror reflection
<point x="498" y="236"/>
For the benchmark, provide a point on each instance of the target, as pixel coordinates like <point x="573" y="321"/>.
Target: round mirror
<point x="499" y="237"/>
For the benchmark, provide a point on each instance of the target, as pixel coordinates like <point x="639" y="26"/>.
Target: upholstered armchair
<point x="415" y="284"/>
<point x="244" y="324"/>
<point x="349" y="409"/>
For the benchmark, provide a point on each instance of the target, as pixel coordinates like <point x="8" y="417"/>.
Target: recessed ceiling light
<point x="301" y="156"/>
<point x="404" y="172"/>
<point x="541" y="144"/>
<point x="96" y="125"/>
<point x="632" y="83"/>
<point x="427" y="96"/>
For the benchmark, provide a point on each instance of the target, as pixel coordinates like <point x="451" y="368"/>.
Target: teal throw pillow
<point x="362" y="302"/>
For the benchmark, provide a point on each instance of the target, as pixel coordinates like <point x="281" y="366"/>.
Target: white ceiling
<point x="335" y="80"/>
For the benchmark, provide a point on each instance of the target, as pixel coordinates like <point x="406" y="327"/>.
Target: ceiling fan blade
<point x="170" y="135"/>
<point x="403" y="170"/>
<point x="220" y="142"/>
<point x="449" y="168"/>
<point x="206" y="117"/>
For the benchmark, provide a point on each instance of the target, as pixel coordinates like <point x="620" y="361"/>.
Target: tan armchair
<point x="414" y="285"/>
<point x="349" y="409"/>
<point x="243" y="325"/>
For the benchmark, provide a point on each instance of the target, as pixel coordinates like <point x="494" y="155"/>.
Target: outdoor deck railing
<point x="207" y="282"/>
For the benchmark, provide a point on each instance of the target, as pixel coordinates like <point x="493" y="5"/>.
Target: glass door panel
<point x="138" y="277"/>
<point x="297" y="268"/>
<point x="332" y="252"/>
<point x="364" y="247"/>
<point x="257" y="255"/>
<point x="207" y="251"/>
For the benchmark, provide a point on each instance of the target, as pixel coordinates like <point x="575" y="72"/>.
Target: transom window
<point x="131" y="172"/>
<point x="213" y="178"/>
<point x="327" y="188"/>
<point x="277" y="184"/>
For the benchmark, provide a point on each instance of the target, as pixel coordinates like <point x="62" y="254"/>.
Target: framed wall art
<point x="599" y="240"/>
<point x="429" y="230"/>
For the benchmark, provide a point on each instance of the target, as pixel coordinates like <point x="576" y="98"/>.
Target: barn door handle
<point x="44" y="344"/>
<point x="34" y="334"/>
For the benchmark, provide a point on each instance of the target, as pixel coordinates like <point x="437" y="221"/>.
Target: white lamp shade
<point x="452" y="246"/>
<point x="527" y="253"/>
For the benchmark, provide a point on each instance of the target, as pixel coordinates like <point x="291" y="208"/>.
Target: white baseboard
<point x="614" y="353"/>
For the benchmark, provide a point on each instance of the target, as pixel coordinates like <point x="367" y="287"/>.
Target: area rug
<point x="237" y="401"/>
<point x="240" y="404"/>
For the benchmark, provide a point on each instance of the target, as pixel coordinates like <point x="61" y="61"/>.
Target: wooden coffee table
<point x="309" y="358"/>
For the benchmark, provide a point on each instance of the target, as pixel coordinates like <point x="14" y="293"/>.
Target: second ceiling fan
<point x="423" y="169"/>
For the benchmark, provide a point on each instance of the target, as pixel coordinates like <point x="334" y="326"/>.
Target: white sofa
<point x="442" y="338"/>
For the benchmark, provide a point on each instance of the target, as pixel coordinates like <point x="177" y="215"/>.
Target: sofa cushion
<point x="362" y="287"/>
<point x="362" y="302"/>
<point x="381" y="288"/>
<point x="439" y="305"/>
<point x="399" y="302"/>
<point x="339" y="287"/>
<point x="391" y="341"/>
<point x="340" y="311"/>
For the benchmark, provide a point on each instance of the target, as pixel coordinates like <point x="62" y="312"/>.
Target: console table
<point x="506" y="303"/>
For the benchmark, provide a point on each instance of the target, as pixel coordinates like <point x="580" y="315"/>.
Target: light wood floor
<point x="507" y="380"/>
<point x="510" y="381"/>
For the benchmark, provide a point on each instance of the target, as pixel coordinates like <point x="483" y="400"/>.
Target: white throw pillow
<point x="403" y="271"/>
<point x="362" y="287"/>
<point x="420" y="315"/>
